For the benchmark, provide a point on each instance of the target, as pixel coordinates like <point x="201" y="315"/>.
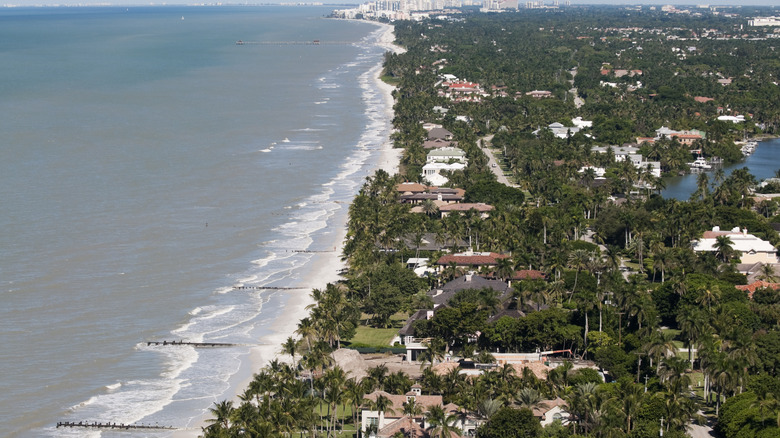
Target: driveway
<point x="493" y="163"/>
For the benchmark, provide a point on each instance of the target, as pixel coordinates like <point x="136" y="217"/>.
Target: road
<point x="696" y="431"/>
<point x="493" y="163"/>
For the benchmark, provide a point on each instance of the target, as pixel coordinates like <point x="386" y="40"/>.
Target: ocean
<point x="149" y="165"/>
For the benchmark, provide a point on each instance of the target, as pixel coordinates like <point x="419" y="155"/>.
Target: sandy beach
<point x="324" y="267"/>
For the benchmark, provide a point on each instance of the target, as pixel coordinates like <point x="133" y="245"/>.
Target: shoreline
<point x="324" y="268"/>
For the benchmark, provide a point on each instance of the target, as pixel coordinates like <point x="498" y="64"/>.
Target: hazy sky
<point x="576" y="2"/>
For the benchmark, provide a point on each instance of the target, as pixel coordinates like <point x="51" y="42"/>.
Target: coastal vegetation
<point x="671" y="338"/>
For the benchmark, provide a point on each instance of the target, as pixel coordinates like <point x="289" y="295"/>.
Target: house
<point x="537" y="94"/>
<point x="393" y="420"/>
<point x="442" y="295"/>
<point x="549" y="411"/>
<point x="409" y="188"/>
<point x="559" y="130"/>
<point x="471" y="259"/>
<point x="439" y="133"/>
<point x="754" y="286"/>
<point x="439" y="143"/>
<point x="446" y="155"/>
<point x="432" y="172"/>
<point x="582" y="124"/>
<point x="620" y="152"/>
<point x="752" y="249"/>
<point x="481" y="208"/>
<point x="440" y="195"/>
<point x="733" y="119"/>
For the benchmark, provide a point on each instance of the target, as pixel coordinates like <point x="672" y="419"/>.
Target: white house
<point x="733" y="119"/>
<point x="432" y="172"/>
<point x="559" y="130"/>
<point x="446" y="155"/>
<point x="582" y="124"/>
<point x="752" y="249"/>
<point x="440" y="160"/>
<point x="550" y="411"/>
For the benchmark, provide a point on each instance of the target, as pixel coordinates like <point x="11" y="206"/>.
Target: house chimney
<point x="438" y="292"/>
<point x="716" y="228"/>
<point x="744" y="231"/>
<point x="468" y="277"/>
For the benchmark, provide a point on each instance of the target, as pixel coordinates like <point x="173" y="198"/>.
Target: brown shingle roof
<point x="471" y="260"/>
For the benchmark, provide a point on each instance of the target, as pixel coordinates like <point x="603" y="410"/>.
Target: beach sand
<point x="324" y="269"/>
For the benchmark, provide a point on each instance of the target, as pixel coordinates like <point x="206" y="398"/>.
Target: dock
<point x="119" y="426"/>
<point x="194" y="344"/>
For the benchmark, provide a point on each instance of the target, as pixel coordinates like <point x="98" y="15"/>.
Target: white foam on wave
<point x="265" y="150"/>
<point x="232" y="317"/>
<point x="113" y="387"/>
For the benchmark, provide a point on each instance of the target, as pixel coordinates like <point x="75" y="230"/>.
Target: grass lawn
<point x="378" y="337"/>
<point x="391" y="80"/>
<point x="375" y="337"/>
<point x="344" y="414"/>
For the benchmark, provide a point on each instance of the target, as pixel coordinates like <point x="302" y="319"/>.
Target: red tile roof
<point x="754" y="286"/>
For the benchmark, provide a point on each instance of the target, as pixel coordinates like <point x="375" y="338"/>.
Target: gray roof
<point x="449" y="290"/>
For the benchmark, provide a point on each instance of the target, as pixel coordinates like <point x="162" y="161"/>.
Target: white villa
<point x="446" y="154"/>
<point x="631" y="153"/>
<point x="440" y="160"/>
<point x="559" y="130"/>
<point x="752" y="249"/>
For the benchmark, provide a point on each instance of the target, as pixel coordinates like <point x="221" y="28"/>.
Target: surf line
<point x="267" y="287"/>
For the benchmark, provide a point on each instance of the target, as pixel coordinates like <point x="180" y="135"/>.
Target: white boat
<point x="700" y="163"/>
<point x="749" y="147"/>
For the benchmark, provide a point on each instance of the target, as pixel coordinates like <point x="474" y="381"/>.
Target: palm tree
<point x="630" y="398"/>
<point x="768" y="273"/>
<point x="709" y="296"/>
<point x="222" y="412"/>
<point x="429" y="207"/>
<point x="504" y="268"/>
<point x="659" y="345"/>
<point x="579" y="260"/>
<point x="529" y="398"/>
<point x="724" y="247"/>
<point x="354" y="393"/>
<point x="440" y="424"/>
<point x="411" y="408"/>
<point x="693" y="324"/>
<point x="290" y="346"/>
<point x="382" y="404"/>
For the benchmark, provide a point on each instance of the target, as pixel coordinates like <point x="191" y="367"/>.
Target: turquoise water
<point x="148" y="165"/>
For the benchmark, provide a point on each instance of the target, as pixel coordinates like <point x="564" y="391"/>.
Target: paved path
<point x="696" y="431"/>
<point x="493" y="163"/>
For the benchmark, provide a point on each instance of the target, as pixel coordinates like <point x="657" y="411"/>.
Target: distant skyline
<point x="207" y="2"/>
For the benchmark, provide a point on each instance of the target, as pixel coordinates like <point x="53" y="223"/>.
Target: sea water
<point x="148" y="164"/>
